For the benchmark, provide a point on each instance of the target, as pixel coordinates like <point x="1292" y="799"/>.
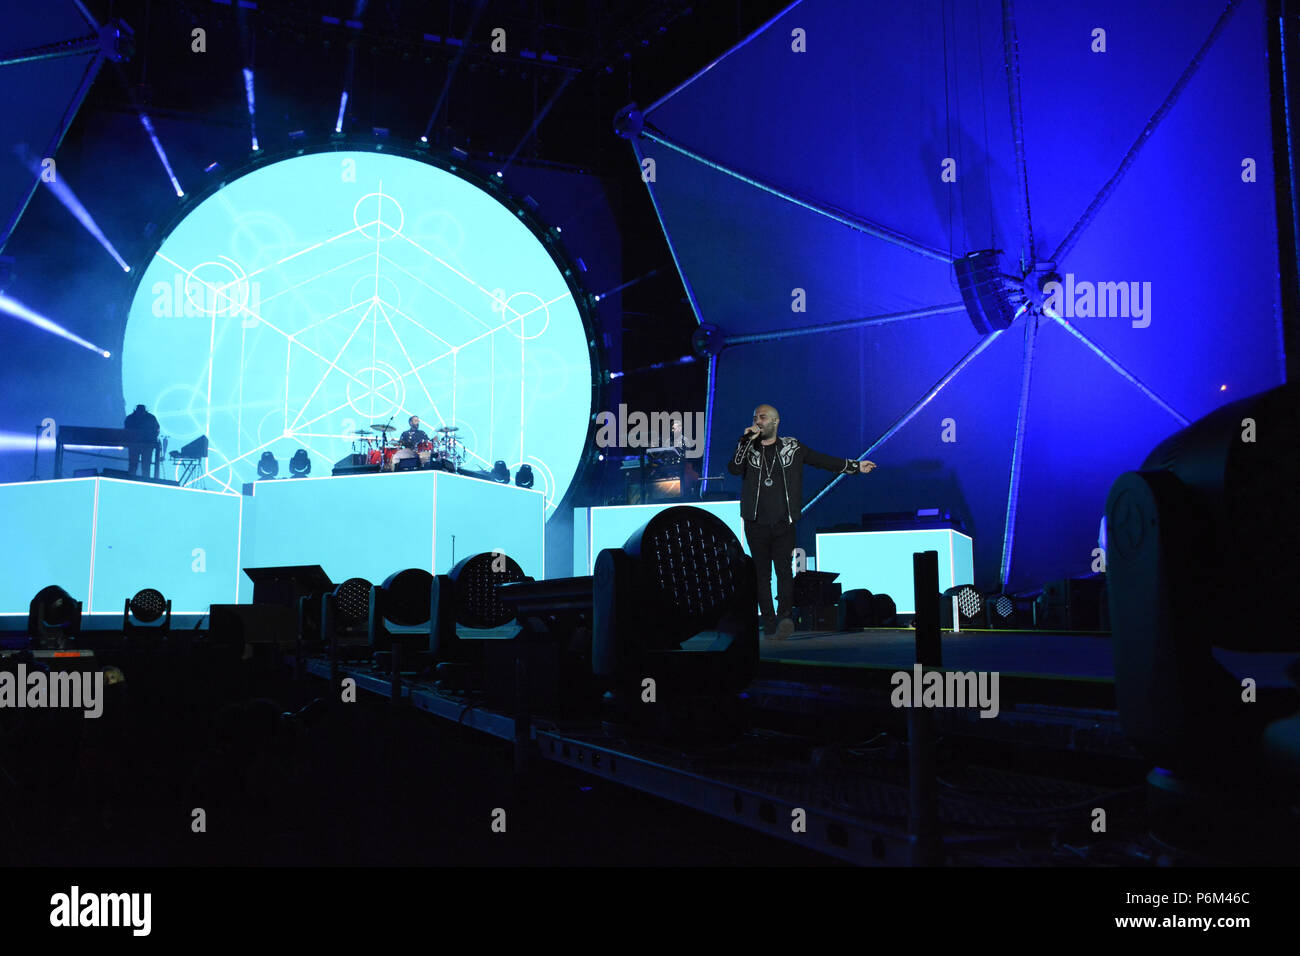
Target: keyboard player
<point x="146" y="429"/>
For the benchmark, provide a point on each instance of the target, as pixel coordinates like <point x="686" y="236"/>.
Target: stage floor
<point x="1040" y="654"/>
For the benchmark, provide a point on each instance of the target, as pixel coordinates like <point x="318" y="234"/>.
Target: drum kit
<point x="446" y="451"/>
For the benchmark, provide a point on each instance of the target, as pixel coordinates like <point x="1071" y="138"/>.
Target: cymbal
<point x="359" y="431"/>
<point x="449" y="428"/>
<point x="382" y="428"/>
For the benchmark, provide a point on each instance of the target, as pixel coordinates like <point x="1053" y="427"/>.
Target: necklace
<point x="767" y="478"/>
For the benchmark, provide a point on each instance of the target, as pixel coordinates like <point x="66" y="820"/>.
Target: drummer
<point x="413" y="436"/>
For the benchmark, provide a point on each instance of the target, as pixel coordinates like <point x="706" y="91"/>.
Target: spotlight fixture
<point x="970" y="607"/>
<point x="466" y="597"/>
<point x="855" y="610"/>
<point x="267" y="466"/>
<point x="884" y="611"/>
<point x="1004" y="612"/>
<point x="53" y="617"/>
<point x="501" y="473"/>
<point x="299" y="464"/>
<point x="148" y="610"/>
<point x="399" y="613"/>
<point x="681" y="574"/>
<point x="345" y="614"/>
<point x="524" y="476"/>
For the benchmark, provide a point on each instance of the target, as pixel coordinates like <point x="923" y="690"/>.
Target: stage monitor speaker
<point x="816" y="588"/>
<point x="1077" y="604"/>
<point x="285" y="585"/>
<point x="233" y="624"/>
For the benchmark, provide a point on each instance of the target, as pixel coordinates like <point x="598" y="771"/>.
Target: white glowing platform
<point x="104" y="539"/>
<point x="368" y="526"/>
<point x="881" y="561"/>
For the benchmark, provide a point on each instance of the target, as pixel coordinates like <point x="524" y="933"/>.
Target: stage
<point x="104" y="539"/>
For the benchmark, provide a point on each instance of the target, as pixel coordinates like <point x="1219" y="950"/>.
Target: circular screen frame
<point x="222" y="292"/>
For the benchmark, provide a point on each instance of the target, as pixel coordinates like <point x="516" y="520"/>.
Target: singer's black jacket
<point x="793" y="455"/>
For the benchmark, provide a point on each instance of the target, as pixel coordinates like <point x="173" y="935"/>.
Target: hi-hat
<point x="449" y="428"/>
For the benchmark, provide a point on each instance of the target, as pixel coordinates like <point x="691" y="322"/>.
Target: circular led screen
<point x="316" y="297"/>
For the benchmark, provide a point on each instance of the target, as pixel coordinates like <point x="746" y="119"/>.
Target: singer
<point x="770" y="503"/>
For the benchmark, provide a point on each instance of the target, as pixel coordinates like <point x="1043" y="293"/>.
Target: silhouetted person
<point x="146" y="427"/>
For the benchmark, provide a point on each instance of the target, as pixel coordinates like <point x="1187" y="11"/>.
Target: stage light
<point x="501" y="473"/>
<point x="403" y="600"/>
<point x="476" y="579"/>
<point x="1001" y="611"/>
<point x="299" y="464"/>
<point x="466" y="597"/>
<point x="524" y="476"/>
<point x="345" y="613"/>
<point x="970" y="607"/>
<point x="252" y="106"/>
<point x="147" y="607"/>
<point x="267" y="466"/>
<point x="63" y="192"/>
<point x="343" y="105"/>
<point x="884" y="611"/>
<point x="162" y="154"/>
<point x="424" y="139"/>
<point x="1008" y="612"/>
<point x="855" y="609"/>
<point x="681" y="574"/>
<point x="1201" y="561"/>
<point x="53" y="617"/>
